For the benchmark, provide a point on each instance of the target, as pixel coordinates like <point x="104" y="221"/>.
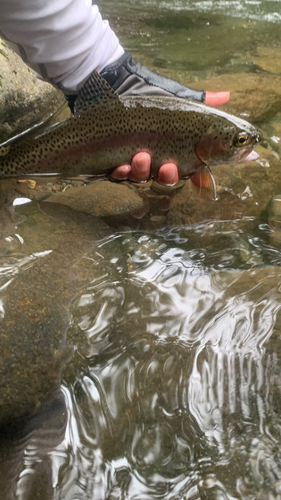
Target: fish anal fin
<point x="95" y="92"/>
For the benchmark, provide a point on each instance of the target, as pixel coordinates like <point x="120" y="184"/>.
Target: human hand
<point x="139" y="171"/>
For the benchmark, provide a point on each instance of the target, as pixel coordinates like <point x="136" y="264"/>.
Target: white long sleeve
<point x="62" y="40"/>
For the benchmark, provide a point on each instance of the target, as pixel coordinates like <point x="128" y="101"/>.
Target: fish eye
<point x="241" y="139"/>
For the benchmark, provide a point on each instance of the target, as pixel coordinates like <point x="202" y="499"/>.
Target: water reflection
<point x="174" y="390"/>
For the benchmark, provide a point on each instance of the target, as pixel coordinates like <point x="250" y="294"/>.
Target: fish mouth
<point x="252" y="156"/>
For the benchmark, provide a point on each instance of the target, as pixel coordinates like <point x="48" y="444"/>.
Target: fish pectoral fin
<point x="204" y="181"/>
<point x="95" y="92"/>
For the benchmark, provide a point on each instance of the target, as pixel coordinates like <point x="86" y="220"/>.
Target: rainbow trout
<point x="107" y="131"/>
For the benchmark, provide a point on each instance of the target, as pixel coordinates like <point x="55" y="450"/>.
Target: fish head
<point x="229" y="143"/>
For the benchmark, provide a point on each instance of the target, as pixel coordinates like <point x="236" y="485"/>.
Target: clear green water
<point x="173" y="328"/>
<point x="208" y="37"/>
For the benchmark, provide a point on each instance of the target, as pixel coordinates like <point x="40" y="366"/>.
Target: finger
<point x="141" y="167"/>
<point x="168" y="174"/>
<point x="122" y="172"/>
<point x="217" y="98"/>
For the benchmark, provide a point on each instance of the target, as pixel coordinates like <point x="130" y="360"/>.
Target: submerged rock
<point x="274" y="220"/>
<point x="255" y="97"/>
<point x="25" y="100"/>
<point x="39" y="281"/>
<point x="274" y="215"/>
<point x="101" y="198"/>
<point x="244" y="191"/>
<point x="269" y="59"/>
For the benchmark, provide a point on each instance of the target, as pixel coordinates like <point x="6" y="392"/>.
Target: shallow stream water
<point x="155" y="341"/>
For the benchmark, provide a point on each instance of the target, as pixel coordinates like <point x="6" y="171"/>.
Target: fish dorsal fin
<point x="94" y="92"/>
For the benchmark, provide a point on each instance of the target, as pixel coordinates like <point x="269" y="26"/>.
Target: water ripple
<point x="258" y="10"/>
<point x="175" y="383"/>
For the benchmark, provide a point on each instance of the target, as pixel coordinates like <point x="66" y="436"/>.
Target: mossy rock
<point x="24" y="99"/>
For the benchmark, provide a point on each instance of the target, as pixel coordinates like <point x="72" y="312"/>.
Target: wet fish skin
<point x="109" y="134"/>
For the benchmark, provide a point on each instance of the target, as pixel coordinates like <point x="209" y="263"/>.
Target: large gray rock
<point x="24" y="99"/>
